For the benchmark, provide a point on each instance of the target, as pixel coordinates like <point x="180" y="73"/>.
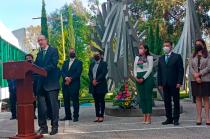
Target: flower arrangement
<point x="124" y="98"/>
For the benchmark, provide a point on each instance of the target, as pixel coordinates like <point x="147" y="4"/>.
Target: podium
<point x="22" y="73"/>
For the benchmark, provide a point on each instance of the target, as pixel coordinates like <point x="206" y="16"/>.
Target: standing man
<point x="98" y="84"/>
<point x="71" y="72"/>
<point x="170" y="78"/>
<point x="29" y="58"/>
<point x="12" y="97"/>
<point x="47" y="87"/>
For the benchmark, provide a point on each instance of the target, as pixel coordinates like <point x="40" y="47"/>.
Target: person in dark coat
<point x="98" y="84"/>
<point x="47" y="87"/>
<point x="170" y="79"/>
<point x="71" y="72"/>
<point x="29" y="58"/>
<point x="12" y="98"/>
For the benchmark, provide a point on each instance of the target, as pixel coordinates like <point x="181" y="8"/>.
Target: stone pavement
<point x="120" y="127"/>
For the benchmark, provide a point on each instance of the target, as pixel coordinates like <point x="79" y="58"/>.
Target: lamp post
<point x="62" y="32"/>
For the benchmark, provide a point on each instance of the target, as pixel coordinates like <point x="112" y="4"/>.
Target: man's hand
<point x="160" y="88"/>
<point x="94" y="82"/>
<point x="68" y="80"/>
<point x="178" y="86"/>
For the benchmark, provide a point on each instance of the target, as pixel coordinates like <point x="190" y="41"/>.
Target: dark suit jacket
<point x="74" y="72"/>
<point x="51" y="82"/>
<point x="12" y="86"/>
<point x="171" y="73"/>
<point x="101" y="73"/>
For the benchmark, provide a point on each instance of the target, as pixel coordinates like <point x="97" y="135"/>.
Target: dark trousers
<point x="34" y="107"/>
<point x="49" y="111"/>
<point x="13" y="100"/>
<point x="169" y="94"/>
<point x="52" y="96"/>
<point x="69" y="96"/>
<point x="99" y="104"/>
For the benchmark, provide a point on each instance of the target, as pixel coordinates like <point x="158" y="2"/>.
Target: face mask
<point x="141" y="52"/>
<point x="30" y="61"/>
<point x="198" y="48"/>
<point x="166" y="50"/>
<point x="72" y="55"/>
<point x="97" y="57"/>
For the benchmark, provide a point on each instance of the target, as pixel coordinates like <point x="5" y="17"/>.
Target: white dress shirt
<point x="147" y="66"/>
<point x="71" y="62"/>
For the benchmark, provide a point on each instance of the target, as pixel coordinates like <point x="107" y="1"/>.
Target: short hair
<point x="43" y="36"/>
<point x="168" y="41"/>
<point x="29" y="55"/>
<point x="100" y="52"/>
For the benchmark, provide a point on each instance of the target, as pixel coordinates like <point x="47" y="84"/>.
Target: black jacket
<point x="170" y="73"/>
<point x="101" y="73"/>
<point x="74" y="72"/>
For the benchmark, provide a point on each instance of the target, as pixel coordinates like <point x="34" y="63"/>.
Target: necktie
<point x="166" y="59"/>
<point x="43" y="54"/>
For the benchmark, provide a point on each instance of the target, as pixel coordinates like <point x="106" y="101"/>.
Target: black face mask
<point x="72" y="55"/>
<point x="97" y="57"/>
<point x="30" y="61"/>
<point x="198" y="48"/>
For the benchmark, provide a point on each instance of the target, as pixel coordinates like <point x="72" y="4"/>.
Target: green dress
<point x="145" y="91"/>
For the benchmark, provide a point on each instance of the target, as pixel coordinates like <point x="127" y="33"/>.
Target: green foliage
<point x="169" y="15"/>
<point x="44" y="26"/>
<point x="158" y="41"/>
<point x="71" y="28"/>
<point x="150" y="39"/>
<point x="76" y="34"/>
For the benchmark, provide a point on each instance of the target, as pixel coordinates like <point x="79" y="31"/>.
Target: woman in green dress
<point x="143" y="66"/>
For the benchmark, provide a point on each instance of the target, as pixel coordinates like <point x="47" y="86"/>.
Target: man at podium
<point x="47" y="87"/>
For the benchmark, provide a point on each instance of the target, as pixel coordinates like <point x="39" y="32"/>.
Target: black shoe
<point x="35" y="117"/>
<point x="54" y="131"/>
<point x="12" y="118"/>
<point x="75" y="120"/>
<point x="65" y="119"/>
<point x="176" y="123"/>
<point x="42" y="131"/>
<point x="208" y="124"/>
<point x="167" y="122"/>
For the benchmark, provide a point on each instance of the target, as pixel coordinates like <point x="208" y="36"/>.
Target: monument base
<point x="158" y="110"/>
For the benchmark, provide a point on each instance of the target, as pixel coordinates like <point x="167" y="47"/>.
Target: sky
<point x="15" y="14"/>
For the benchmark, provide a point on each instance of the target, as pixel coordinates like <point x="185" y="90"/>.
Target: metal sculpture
<point x="117" y="37"/>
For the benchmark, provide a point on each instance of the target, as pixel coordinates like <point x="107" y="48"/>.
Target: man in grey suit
<point x="47" y="87"/>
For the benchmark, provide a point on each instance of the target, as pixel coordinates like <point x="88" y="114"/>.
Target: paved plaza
<point x="119" y="127"/>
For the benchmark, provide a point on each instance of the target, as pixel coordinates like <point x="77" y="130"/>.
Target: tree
<point x="44" y="26"/>
<point x="30" y="42"/>
<point x="71" y="28"/>
<point x="158" y="41"/>
<point x="75" y="21"/>
<point x="170" y="15"/>
<point x="150" y="38"/>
